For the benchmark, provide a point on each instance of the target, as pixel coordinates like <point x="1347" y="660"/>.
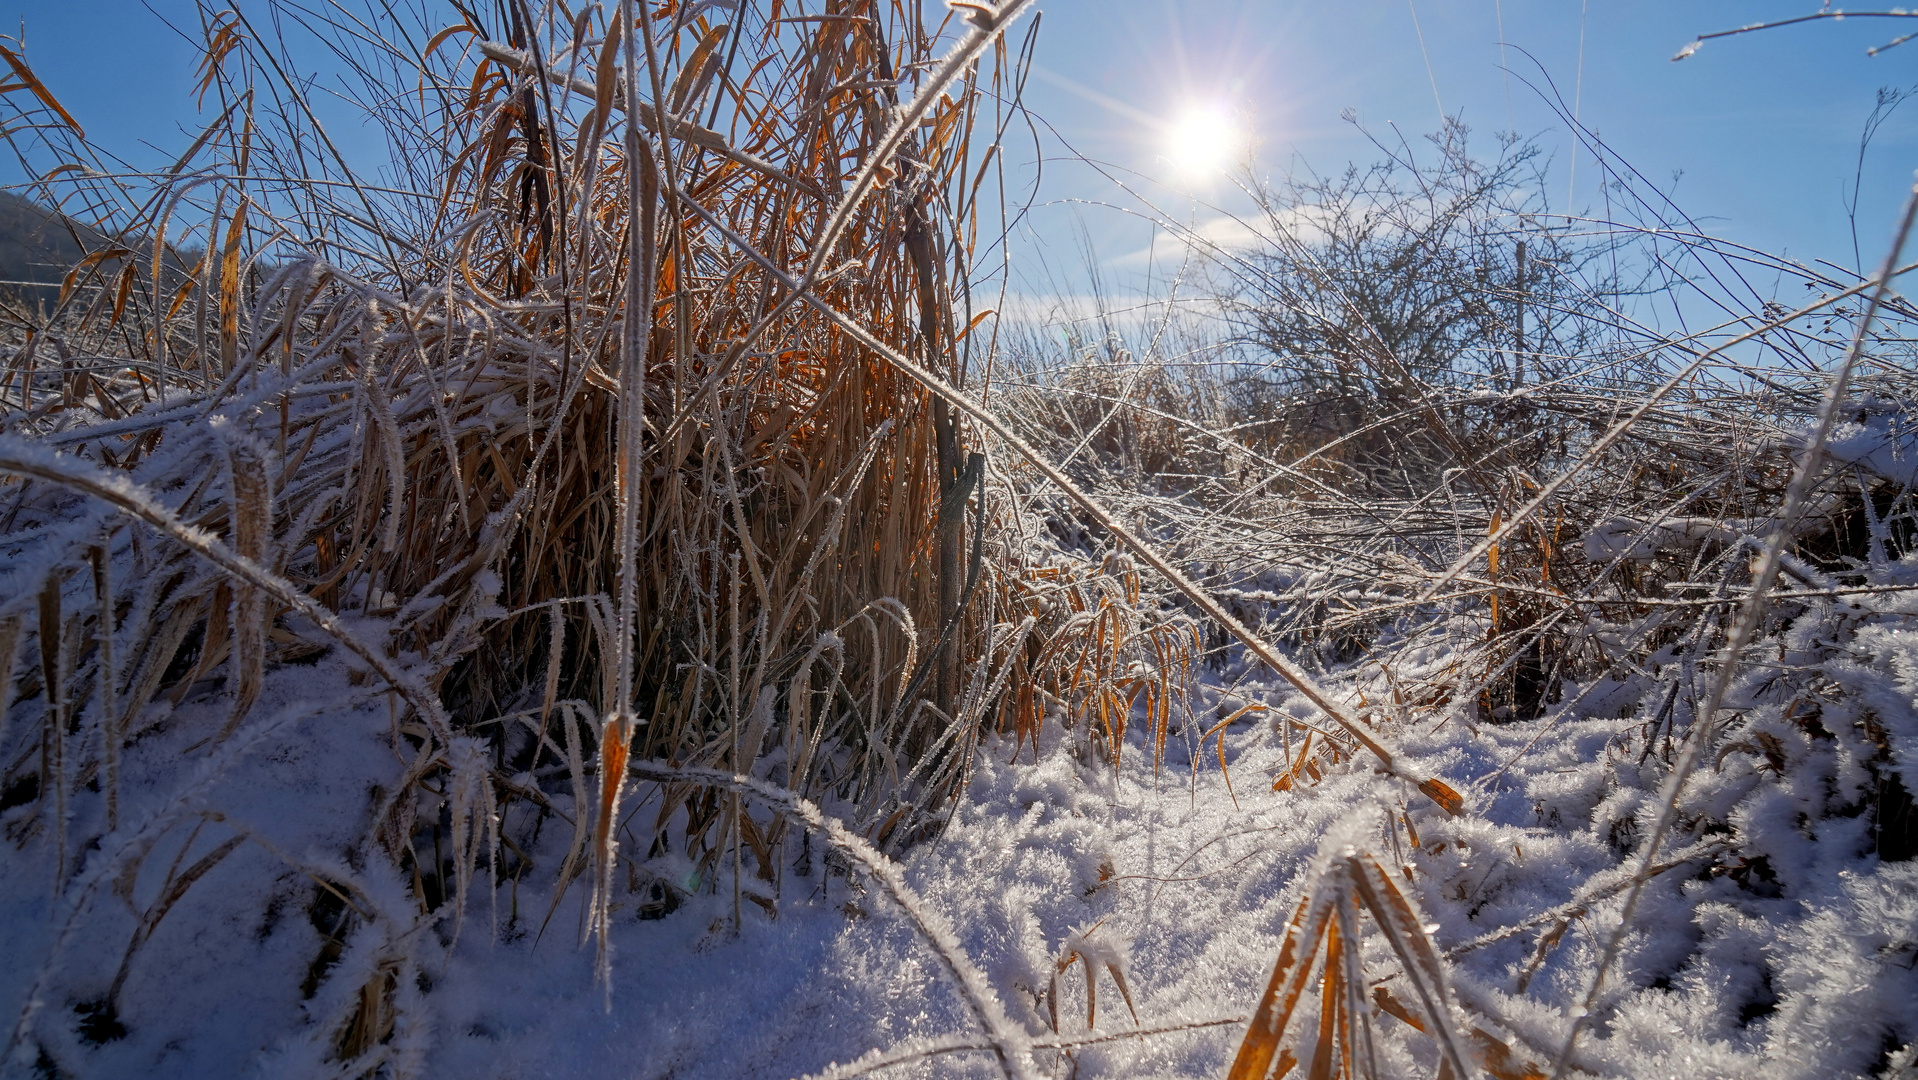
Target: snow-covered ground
<point x="1800" y="967"/>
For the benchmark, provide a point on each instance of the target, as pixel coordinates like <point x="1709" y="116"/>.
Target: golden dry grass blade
<point x="39" y="90"/>
<point x="1418" y="957"/>
<point x="1331" y="1054"/>
<point x="252" y="510"/>
<point x="1298" y="953"/>
<point x="230" y="289"/>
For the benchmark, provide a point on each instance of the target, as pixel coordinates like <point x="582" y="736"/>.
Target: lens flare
<point x="1203" y="141"/>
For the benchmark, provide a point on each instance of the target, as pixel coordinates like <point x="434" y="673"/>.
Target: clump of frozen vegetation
<point x="1416" y="663"/>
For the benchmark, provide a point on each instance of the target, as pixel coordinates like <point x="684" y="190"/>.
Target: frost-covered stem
<point x="58" y="705"/>
<point x="1809" y="464"/>
<point x="1008" y="1042"/>
<point x="632" y="370"/>
<point x="732" y="701"/>
<point x="1582" y="903"/>
<point x="635" y="339"/>
<point x="108" y="676"/>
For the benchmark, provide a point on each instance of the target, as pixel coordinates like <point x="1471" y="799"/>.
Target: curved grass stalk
<point x="1008" y="1043"/>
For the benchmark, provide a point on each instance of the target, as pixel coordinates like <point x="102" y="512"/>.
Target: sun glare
<point x="1203" y="141"/>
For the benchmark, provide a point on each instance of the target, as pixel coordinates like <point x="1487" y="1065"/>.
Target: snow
<point x="1880" y="441"/>
<point x="1797" y="958"/>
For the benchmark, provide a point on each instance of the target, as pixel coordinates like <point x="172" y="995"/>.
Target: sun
<point x="1203" y="141"/>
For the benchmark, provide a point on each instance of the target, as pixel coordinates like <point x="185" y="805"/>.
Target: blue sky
<point x="1763" y="127"/>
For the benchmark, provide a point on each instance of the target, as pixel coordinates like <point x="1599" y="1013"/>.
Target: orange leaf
<point x="440" y="38"/>
<point x="230" y="289"/>
<point x="39" y="89"/>
<point x="222" y="38"/>
<point x="1442" y="794"/>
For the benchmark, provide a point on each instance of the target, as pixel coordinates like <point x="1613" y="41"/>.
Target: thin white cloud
<point x="1226" y="235"/>
<point x="1206" y="238"/>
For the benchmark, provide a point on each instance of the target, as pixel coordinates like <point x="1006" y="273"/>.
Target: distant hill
<point x="37" y="248"/>
<point x="38" y="245"/>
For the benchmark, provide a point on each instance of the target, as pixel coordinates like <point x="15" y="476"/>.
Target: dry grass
<point x="1474" y="494"/>
<point x="1324" y="937"/>
<point x="441" y="445"/>
<point x="521" y="426"/>
<point x="620" y="431"/>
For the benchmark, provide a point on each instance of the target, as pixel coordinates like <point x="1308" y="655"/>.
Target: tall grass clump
<point x="605" y="416"/>
<point x="540" y="404"/>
